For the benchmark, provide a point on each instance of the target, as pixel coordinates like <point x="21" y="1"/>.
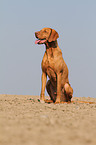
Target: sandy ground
<point x="26" y="121"/>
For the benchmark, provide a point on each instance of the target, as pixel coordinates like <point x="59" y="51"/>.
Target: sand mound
<point x="26" y="121"/>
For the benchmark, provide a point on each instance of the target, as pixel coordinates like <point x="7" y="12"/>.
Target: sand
<point x="26" y="121"/>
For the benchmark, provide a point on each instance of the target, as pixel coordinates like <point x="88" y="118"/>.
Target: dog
<point x="53" y="66"/>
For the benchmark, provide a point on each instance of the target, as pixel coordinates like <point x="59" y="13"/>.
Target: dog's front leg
<point x="58" y="88"/>
<point x="44" y="79"/>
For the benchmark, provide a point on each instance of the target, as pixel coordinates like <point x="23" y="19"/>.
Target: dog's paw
<point x="42" y="101"/>
<point x="57" y="101"/>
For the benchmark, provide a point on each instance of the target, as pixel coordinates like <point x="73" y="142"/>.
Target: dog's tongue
<point x="39" y="41"/>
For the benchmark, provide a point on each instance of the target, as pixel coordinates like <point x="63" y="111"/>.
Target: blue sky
<point x="20" y="58"/>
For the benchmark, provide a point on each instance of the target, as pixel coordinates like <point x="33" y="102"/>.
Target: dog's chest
<point x="48" y="66"/>
<point x="48" y="62"/>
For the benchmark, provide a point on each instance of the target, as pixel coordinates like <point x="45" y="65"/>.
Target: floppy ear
<point x="53" y="36"/>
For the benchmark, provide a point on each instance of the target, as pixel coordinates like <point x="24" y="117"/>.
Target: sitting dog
<point x="53" y="66"/>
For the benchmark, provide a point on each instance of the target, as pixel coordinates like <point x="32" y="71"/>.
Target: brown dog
<point x="54" y="66"/>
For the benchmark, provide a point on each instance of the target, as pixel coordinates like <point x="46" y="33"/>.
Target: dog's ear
<point x="53" y="36"/>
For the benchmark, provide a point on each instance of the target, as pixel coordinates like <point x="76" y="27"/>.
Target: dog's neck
<point x="52" y="44"/>
<point x="51" y="47"/>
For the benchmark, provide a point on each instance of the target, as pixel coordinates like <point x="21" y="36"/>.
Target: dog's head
<point x="46" y="35"/>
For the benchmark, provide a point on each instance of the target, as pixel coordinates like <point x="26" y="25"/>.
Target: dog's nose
<point x="36" y="34"/>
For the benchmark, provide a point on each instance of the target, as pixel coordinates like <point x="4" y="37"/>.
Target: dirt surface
<point x="26" y="121"/>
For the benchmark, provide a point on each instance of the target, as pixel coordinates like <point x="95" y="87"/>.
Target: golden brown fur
<point x="53" y="66"/>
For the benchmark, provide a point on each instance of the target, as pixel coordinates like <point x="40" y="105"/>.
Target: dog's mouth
<point x="40" y="41"/>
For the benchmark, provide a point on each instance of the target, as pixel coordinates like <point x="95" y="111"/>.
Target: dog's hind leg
<point x="68" y="91"/>
<point x="51" y="91"/>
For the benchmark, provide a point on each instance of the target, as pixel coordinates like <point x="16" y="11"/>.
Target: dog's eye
<point x="45" y="31"/>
